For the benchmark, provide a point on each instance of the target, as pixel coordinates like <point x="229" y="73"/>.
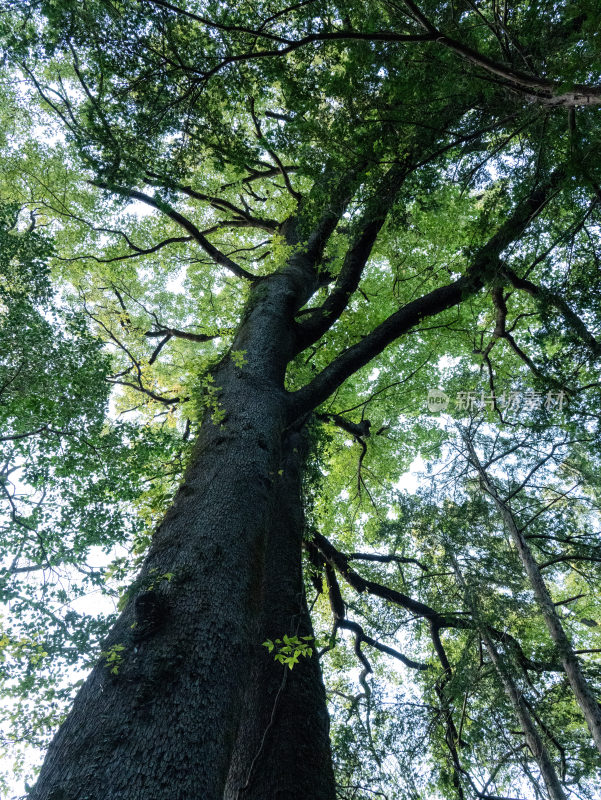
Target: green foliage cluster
<point x="290" y="649"/>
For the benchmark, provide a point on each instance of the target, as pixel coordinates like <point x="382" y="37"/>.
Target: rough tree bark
<point x="283" y="750"/>
<point x="168" y="724"/>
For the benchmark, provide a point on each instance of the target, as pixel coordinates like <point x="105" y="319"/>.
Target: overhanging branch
<point x="242" y="216"/>
<point x="544" y="295"/>
<point x="161" y="205"/>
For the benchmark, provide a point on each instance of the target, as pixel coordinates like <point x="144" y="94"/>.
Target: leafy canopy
<point x="156" y="157"/>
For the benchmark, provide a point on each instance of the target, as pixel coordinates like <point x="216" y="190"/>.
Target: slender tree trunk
<point x="513" y="694"/>
<point x="535" y="743"/>
<point x="582" y="692"/>
<point x="167" y="707"/>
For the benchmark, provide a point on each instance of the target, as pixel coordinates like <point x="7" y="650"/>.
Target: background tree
<point x="286" y="225"/>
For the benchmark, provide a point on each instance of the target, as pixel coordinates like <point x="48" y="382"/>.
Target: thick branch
<point x="541" y="90"/>
<point x="339" y="561"/>
<point x="383" y="648"/>
<point x="568" y="557"/>
<point x="501" y="332"/>
<point x="192" y="337"/>
<point x="256" y="175"/>
<point x="296" y="195"/>
<point x="168" y="401"/>
<point x="535" y="88"/>
<point x="391" y="559"/>
<point x="331" y="36"/>
<point x="485" y="265"/>
<point x="334" y="559"/>
<point x="356" y="429"/>
<point x="321" y="319"/>
<point x="138" y="251"/>
<point x="360" y="354"/>
<point x="340" y="621"/>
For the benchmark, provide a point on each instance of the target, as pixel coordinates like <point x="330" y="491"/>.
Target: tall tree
<point x="324" y="191"/>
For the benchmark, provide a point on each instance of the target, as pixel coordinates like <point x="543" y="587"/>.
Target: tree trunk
<point x="283" y="749"/>
<point x="582" y="691"/>
<point x="514" y="696"/>
<point x="167" y="707"/>
<point x="533" y="740"/>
